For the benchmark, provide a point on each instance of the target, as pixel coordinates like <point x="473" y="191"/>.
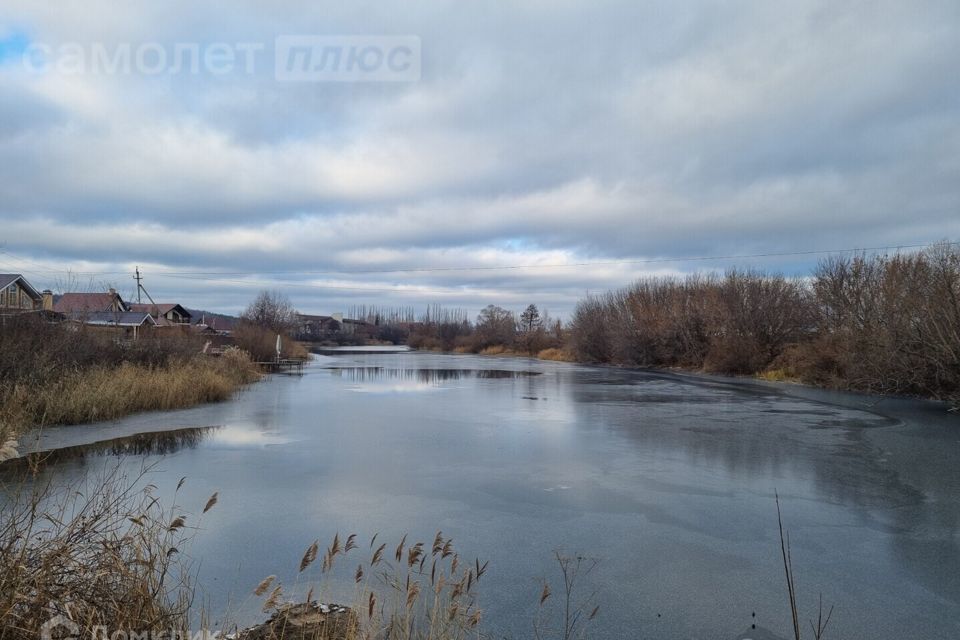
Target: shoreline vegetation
<point x="52" y="375"/>
<point x="58" y="374"/>
<point x="879" y="324"/>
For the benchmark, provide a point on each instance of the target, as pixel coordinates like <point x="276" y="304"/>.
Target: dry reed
<point x="426" y="593"/>
<point x="105" y="555"/>
<point x="110" y="392"/>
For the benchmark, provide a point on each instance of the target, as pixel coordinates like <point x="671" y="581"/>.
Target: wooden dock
<point x="293" y="366"/>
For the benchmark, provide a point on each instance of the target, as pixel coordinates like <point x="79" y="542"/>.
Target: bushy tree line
<point x="886" y="324"/>
<point x="495" y="328"/>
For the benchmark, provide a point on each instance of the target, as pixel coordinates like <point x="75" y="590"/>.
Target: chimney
<point x="47" y="300"/>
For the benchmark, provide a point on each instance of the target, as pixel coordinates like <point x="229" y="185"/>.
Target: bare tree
<point x="271" y="310"/>
<point x="495" y="326"/>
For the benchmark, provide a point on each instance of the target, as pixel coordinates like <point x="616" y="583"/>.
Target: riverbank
<point x="771" y="376"/>
<point x="111" y="391"/>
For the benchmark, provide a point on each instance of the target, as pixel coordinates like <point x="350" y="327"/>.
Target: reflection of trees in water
<point x="138" y="444"/>
<point x="761" y="433"/>
<point x="752" y="433"/>
<point x="425" y="376"/>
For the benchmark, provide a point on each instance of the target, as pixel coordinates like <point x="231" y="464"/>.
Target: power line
<point x="624" y="261"/>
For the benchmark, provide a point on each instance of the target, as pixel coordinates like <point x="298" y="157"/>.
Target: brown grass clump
<point x="496" y="350"/>
<point x="107" y="555"/>
<point x="107" y="392"/>
<point x="559" y="355"/>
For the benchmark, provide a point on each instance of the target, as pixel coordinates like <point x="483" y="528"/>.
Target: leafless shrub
<point x="735" y="324"/>
<point x="567" y="617"/>
<point x="889" y="324"/>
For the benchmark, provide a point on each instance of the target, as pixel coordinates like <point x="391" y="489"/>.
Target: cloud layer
<point x="540" y="134"/>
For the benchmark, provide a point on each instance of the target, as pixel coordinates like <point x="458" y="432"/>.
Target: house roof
<point x="160" y="308"/>
<point x="302" y="317"/>
<point x="6" y="279"/>
<point x="85" y="302"/>
<point x="113" y="319"/>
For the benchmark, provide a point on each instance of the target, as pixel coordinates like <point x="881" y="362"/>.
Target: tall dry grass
<point x="558" y="355"/>
<point x="106" y="392"/>
<point x="261" y="343"/>
<point x="405" y="591"/>
<point x="64" y="374"/>
<point x="103" y="555"/>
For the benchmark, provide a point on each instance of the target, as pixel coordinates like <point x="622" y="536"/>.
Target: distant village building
<point x="81" y="303"/>
<point x="17" y="295"/>
<point x="106" y="311"/>
<point x="312" y="327"/>
<point x="128" y="324"/>
<point x="164" y="313"/>
<point x="357" y="328"/>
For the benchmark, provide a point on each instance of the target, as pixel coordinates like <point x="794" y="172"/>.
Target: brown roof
<point x="84" y="302"/>
<point x="160" y="308"/>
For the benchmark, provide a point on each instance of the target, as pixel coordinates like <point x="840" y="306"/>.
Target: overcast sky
<point x="540" y="133"/>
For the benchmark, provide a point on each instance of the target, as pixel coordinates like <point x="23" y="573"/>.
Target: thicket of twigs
<point x="885" y="324"/>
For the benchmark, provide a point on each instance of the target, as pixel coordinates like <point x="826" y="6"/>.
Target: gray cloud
<point x="539" y="133"/>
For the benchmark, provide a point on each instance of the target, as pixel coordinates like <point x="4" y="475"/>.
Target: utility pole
<point x="138" y="278"/>
<point x="140" y="287"/>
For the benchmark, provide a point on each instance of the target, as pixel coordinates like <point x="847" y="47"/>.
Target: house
<point x="106" y="311"/>
<point x="357" y="328"/>
<point x="81" y="303"/>
<point x="128" y="324"/>
<point x="164" y="313"/>
<point x="17" y="295"/>
<point x="310" y="327"/>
